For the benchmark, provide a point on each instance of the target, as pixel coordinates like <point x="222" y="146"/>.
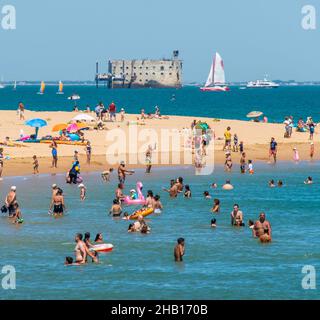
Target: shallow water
<point x="225" y="263"/>
<point x="301" y="101"/>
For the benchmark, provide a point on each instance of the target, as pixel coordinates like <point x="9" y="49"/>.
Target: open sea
<point x="300" y="101"/>
<point x="221" y="263"/>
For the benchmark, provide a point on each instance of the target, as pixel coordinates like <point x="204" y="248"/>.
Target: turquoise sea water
<point x="275" y="103"/>
<point x="225" y="263"/>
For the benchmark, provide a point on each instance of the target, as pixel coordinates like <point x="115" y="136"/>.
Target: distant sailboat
<point x="216" y="78"/>
<point x="42" y="88"/>
<point x="2" y="86"/>
<point x="15" y="85"/>
<point x="60" y="91"/>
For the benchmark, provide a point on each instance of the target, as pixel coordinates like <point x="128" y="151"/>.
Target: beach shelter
<point x="59" y="127"/>
<point x="254" y="114"/>
<point x="83" y="117"/>
<point x="74" y="127"/>
<point x="202" y="126"/>
<point x="36" y="123"/>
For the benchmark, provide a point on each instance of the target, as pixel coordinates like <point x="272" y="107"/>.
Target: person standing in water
<point x="179" y="250"/>
<point x="237" y="216"/>
<point x="10" y="200"/>
<point x="57" y="203"/>
<point x="83" y="191"/>
<point x="54" y="152"/>
<point x="262" y="226"/>
<point x="243" y="163"/>
<point x="122" y="172"/>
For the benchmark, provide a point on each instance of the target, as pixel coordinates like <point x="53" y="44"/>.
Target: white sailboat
<point x="2" y="86"/>
<point x="216" y="79"/>
<point x="15" y="85"/>
<point x="42" y="87"/>
<point x="60" y="90"/>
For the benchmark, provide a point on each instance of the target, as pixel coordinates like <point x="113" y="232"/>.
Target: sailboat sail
<point x="219" y="76"/>
<point x="42" y="87"/>
<point x="15" y="85"/>
<point x="60" y="87"/>
<point x="210" y="76"/>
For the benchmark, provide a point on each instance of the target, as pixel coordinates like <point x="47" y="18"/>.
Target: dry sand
<point x="256" y="138"/>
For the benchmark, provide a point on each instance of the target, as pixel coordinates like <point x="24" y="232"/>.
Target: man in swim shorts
<point x="261" y="225"/>
<point x="122" y="172"/>
<point x="273" y="150"/>
<point x="10" y="200"/>
<point x="236" y="216"/>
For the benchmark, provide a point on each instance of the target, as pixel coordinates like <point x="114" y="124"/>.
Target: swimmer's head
<point x="150" y="193"/>
<point x="140" y="217"/>
<point x="122" y="163"/>
<point x="115" y="201"/>
<point x="228" y="182"/>
<point x="216" y="201"/>
<point x="130" y="226"/>
<point x="54" y="186"/>
<point x="206" y="193"/>
<point x="180" y="179"/>
<point x="98" y="237"/>
<point x="180" y="240"/>
<point x="120" y="185"/>
<point x="69" y="260"/>
<point x="250" y="223"/>
<point x="213" y="221"/>
<point x="111" y="169"/>
<point x="87" y="236"/>
<point x="13" y="188"/>
<point x="157" y="197"/>
<point x="81" y="185"/>
<point x="235" y="206"/>
<point x="78" y="237"/>
<point x="132" y="191"/>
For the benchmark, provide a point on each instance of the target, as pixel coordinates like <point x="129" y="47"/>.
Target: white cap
<point x="54" y="186"/>
<point x="81" y="185"/>
<point x="132" y="190"/>
<point x="13" y="188"/>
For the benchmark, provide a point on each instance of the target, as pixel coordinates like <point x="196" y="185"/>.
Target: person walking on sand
<point x="21" y="111"/>
<point x="35" y="165"/>
<point x="235" y="143"/>
<point x="311" y="152"/>
<point x="88" y="150"/>
<point x="112" y="111"/>
<point x="179" y="250"/>
<point x="227" y="139"/>
<point x="54" y="152"/>
<point x="296" y="157"/>
<point x="273" y="150"/>
<point x="149" y="151"/>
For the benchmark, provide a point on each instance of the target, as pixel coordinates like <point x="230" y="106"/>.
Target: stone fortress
<point x="163" y="73"/>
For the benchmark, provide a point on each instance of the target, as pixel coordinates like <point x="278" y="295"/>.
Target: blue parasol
<point x="36" y="123"/>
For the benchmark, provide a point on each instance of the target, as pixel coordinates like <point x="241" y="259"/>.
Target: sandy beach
<point x="256" y="138"/>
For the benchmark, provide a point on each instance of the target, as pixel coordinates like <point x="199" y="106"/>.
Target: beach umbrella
<point x="36" y="123"/>
<point x="59" y="127"/>
<point x="254" y="114"/>
<point x="73" y="127"/>
<point x="83" y="117"/>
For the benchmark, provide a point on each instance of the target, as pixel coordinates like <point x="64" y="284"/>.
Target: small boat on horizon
<point x="216" y="79"/>
<point x="42" y="88"/>
<point x="265" y="83"/>
<point x="74" y="97"/>
<point x="60" y="90"/>
<point x="15" y="85"/>
<point x="2" y="86"/>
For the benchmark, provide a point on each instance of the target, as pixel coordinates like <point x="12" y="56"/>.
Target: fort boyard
<point x="162" y="73"/>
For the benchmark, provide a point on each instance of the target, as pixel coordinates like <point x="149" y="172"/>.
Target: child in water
<point x="308" y="180"/>
<point x="133" y="194"/>
<point x="250" y="167"/>
<point x="17" y="216"/>
<point x="83" y="190"/>
<point x="187" y="191"/>
<point x="213" y="223"/>
<point x="157" y="204"/>
<point x="105" y="175"/>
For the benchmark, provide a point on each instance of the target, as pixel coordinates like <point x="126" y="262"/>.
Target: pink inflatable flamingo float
<point x="141" y="200"/>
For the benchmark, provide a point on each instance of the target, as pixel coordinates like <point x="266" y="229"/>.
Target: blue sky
<point x="62" y="39"/>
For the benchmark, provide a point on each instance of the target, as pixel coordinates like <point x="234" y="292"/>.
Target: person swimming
<point x="98" y="238"/>
<point x="271" y="183"/>
<point x="206" y="195"/>
<point x="179" y="250"/>
<point x="116" y="208"/>
<point x="213" y="223"/>
<point x="187" y="191"/>
<point x="133" y="194"/>
<point x="227" y="185"/>
<point x="309" y="180"/>
<point x="158" y="207"/>
<point x="280" y="183"/>
<point x="216" y="206"/>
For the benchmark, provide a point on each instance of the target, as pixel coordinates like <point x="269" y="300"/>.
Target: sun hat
<point x="132" y="190"/>
<point x="13" y="188"/>
<point x="81" y="185"/>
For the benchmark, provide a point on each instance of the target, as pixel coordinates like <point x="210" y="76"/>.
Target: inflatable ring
<point x="103" y="247"/>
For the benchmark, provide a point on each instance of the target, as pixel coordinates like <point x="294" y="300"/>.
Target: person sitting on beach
<point x="105" y="175"/>
<point x="98" y="238"/>
<point x="308" y="180"/>
<point x="236" y="216"/>
<point x="261" y="225"/>
<point x="187" y="191"/>
<point x="122" y="172"/>
<point x="57" y="203"/>
<point x="280" y="183"/>
<point x="11" y="200"/>
<point x="216" y="206"/>
<point x="158" y="207"/>
<point x="213" y="223"/>
<point x="227" y="185"/>
<point x="116" y="209"/>
<point x="83" y="191"/>
<point x="179" y="250"/>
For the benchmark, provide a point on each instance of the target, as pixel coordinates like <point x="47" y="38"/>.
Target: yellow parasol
<point x="59" y="127"/>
